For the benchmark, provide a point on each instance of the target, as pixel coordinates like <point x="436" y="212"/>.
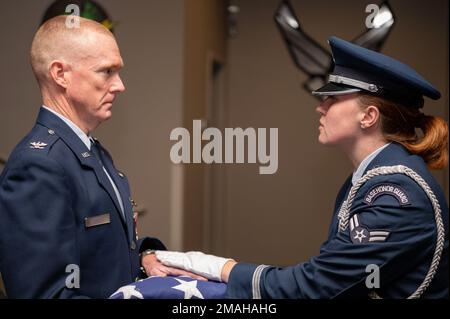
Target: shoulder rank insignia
<point x="387" y="189"/>
<point x="360" y="234"/>
<point x="38" y="145"/>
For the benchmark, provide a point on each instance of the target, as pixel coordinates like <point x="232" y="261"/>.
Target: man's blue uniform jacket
<point x="51" y="190"/>
<point x="396" y="231"/>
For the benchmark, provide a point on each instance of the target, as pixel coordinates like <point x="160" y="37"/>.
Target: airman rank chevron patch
<point x="360" y="234"/>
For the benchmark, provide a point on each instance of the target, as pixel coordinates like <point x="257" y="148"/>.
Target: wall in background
<point x="205" y="42"/>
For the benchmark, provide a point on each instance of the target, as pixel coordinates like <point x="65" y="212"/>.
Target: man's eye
<point x="108" y="71"/>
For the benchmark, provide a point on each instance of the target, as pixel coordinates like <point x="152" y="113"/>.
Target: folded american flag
<point x="171" y="288"/>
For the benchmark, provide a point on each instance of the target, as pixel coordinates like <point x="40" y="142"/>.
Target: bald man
<point x="66" y="220"/>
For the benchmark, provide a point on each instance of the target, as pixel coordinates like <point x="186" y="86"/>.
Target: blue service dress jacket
<point x="60" y="218"/>
<point x="391" y="234"/>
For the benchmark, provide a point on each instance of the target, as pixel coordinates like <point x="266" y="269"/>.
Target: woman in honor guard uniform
<point x="389" y="233"/>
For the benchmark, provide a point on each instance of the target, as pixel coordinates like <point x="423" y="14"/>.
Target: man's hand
<point x="209" y="266"/>
<point x="155" y="268"/>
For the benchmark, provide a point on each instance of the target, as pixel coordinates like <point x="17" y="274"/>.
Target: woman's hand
<point x="208" y="266"/>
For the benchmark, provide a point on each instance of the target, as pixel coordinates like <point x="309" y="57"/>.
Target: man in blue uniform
<point x="389" y="233"/>
<point x="66" y="219"/>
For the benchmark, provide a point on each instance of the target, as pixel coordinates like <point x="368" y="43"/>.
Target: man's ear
<point x="370" y="117"/>
<point x="58" y="73"/>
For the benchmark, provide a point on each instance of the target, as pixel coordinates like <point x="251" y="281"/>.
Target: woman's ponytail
<point x="432" y="146"/>
<point x="400" y="124"/>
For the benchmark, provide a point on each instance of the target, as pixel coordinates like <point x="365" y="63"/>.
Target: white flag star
<point x="128" y="292"/>
<point x="189" y="288"/>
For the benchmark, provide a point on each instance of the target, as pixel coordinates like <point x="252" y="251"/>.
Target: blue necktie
<point x="95" y="149"/>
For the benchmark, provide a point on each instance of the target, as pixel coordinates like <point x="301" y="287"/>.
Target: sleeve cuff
<point x="150" y="243"/>
<point x="245" y="281"/>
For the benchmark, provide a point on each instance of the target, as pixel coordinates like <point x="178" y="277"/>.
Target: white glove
<point x="208" y="266"/>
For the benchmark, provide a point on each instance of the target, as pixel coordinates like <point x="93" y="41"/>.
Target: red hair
<point x="399" y="123"/>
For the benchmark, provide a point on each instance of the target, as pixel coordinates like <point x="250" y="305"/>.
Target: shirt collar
<point x="363" y="165"/>
<point x="83" y="136"/>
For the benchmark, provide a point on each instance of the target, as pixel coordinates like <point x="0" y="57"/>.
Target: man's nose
<point x="118" y="85"/>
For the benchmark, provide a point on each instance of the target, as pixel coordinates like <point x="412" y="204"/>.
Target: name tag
<point x="97" y="220"/>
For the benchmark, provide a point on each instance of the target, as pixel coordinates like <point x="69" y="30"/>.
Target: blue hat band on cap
<point x="404" y="99"/>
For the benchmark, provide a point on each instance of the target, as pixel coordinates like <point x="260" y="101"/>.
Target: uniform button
<point x="51" y="132"/>
<point x="133" y="245"/>
<point x="120" y="174"/>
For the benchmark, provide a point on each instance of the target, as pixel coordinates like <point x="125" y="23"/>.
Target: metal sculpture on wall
<point x="310" y="57"/>
<point x="87" y="9"/>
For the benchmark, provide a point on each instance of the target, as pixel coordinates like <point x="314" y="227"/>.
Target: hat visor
<point x="334" y="89"/>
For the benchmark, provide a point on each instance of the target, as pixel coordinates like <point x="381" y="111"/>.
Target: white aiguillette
<point x="97" y="220"/>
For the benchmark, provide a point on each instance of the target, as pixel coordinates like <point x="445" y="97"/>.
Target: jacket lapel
<point x="128" y="210"/>
<point x="80" y="150"/>
<point x="342" y="195"/>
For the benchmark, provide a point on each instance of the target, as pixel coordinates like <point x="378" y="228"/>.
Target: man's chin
<point x="106" y="115"/>
<point x="106" y="109"/>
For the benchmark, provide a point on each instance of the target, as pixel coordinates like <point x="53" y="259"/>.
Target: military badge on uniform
<point x="135" y="216"/>
<point x="387" y="189"/>
<point x="360" y="234"/>
<point x="38" y="145"/>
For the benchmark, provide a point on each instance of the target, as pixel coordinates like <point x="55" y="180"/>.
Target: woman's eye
<point x="331" y="100"/>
